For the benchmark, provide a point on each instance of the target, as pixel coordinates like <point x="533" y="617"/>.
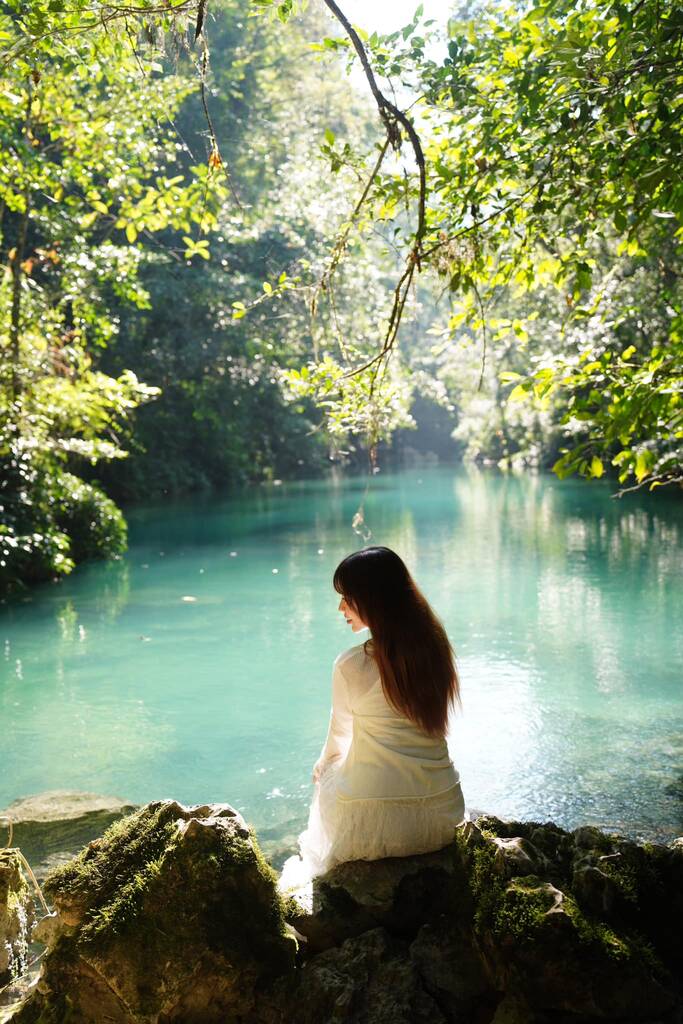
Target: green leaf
<point x="644" y="461"/>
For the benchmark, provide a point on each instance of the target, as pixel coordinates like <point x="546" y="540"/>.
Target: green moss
<point x="515" y="908"/>
<point x="625" y="945"/>
<point x="522" y="908"/>
<point x="624" y="875"/>
<point x="593" y="932"/>
<point x="170" y="899"/>
<point x="129" y="845"/>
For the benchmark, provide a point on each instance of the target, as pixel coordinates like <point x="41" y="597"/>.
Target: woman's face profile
<point x="351" y="615"/>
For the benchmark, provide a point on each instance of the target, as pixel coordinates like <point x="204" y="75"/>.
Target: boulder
<point x="518" y="856"/>
<point x="51" y="827"/>
<point x="369" y="979"/>
<point x="398" y="893"/>
<point x="16" y="917"/>
<point x="514" y="923"/>
<point x="172" y="915"/>
<point x="449" y="962"/>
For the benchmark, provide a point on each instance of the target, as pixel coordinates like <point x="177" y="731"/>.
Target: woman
<point x="384" y="783"/>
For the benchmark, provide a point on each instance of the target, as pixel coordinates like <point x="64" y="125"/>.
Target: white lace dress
<point x="384" y="789"/>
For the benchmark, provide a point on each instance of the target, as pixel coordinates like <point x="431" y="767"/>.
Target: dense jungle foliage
<point x="224" y="261"/>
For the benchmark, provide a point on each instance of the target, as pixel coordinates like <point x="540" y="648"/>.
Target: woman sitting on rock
<point x="384" y="783"/>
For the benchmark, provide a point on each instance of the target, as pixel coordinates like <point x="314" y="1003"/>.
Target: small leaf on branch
<point x="215" y="159"/>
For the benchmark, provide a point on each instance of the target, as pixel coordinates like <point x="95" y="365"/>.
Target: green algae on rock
<point x="558" y="945"/>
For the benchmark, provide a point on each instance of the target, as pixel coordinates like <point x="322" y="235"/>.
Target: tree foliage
<point x="87" y="162"/>
<point x="533" y="174"/>
<point x="553" y="146"/>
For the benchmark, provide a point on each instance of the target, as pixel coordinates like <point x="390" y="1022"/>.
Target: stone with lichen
<point x="521" y="923"/>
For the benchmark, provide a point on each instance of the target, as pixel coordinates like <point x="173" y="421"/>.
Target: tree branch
<point x="392" y="116"/>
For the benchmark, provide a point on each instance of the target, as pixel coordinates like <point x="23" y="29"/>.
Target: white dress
<point x="385" y="789"/>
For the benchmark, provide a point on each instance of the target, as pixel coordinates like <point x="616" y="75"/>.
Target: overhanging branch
<point x="394" y="120"/>
<point x="392" y="117"/>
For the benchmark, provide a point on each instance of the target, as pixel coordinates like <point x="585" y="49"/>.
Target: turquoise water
<point x="563" y="604"/>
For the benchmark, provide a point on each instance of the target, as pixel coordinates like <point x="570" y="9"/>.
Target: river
<point x="198" y="666"/>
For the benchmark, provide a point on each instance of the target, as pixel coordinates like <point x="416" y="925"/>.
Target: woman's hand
<point x="317" y="768"/>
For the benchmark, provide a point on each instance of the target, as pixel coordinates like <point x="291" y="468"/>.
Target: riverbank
<point x="173" y="915"/>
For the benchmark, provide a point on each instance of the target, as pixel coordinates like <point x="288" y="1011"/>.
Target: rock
<point x="172" y="915"/>
<point x="47" y="930"/>
<point x="451" y="968"/>
<point x="513" y="1009"/>
<point x="367" y="980"/>
<point x="596" y="891"/>
<point x="560" y="957"/>
<point x="399" y="893"/>
<point x="16" y="917"/>
<point x="590" y="838"/>
<point x="560" y="967"/>
<point x="59" y="822"/>
<point x="518" y="856"/>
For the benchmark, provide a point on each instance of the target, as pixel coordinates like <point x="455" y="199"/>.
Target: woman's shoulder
<point x="355" y="660"/>
<point x="351" y="654"/>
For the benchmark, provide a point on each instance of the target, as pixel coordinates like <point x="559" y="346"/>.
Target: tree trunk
<point x="15" y="320"/>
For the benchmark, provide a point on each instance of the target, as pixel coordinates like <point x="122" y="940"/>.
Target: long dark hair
<point x="415" y="659"/>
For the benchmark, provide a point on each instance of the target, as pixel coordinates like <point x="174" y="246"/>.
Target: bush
<point x="93" y="523"/>
<point x="52" y="520"/>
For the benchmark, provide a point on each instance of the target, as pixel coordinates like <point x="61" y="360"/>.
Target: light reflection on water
<point x="563" y="604"/>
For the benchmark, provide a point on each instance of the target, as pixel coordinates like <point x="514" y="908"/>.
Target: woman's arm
<point x="340" y="730"/>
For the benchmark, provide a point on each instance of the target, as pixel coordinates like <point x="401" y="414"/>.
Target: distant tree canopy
<point x="189" y="198"/>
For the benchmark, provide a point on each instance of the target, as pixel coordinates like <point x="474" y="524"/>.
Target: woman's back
<point x="385" y="785"/>
<point x="388" y="755"/>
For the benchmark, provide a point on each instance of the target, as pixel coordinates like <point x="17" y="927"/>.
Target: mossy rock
<point x="565" y="952"/>
<point x="173" y="915"/>
<point x="16" y="916"/>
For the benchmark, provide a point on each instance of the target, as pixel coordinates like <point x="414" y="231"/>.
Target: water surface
<point x="563" y="604"/>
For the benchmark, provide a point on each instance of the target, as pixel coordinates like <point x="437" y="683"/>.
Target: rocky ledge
<point x="51" y="827"/>
<point x="174" y="915"/>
